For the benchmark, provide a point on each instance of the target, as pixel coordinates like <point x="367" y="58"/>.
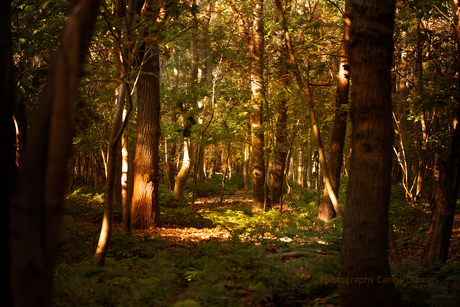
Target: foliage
<point x="409" y="219"/>
<point x="436" y="284"/>
<point x="250" y="268"/>
<point x="85" y="203"/>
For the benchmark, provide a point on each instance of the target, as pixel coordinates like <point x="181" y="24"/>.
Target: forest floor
<point x="223" y="254"/>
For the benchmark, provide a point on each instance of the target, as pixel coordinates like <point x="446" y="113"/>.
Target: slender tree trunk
<point x="225" y="167"/>
<point x="126" y="200"/>
<point x="365" y="222"/>
<point x="255" y="45"/>
<point x="112" y="165"/>
<point x="145" y="207"/>
<point x="188" y="158"/>
<point x="309" y="162"/>
<point x="172" y="150"/>
<point x="280" y="153"/>
<point x="246" y="167"/>
<point x="37" y="211"/>
<point x="278" y="170"/>
<point x="256" y="118"/>
<point x="326" y="210"/>
<point x="306" y="89"/>
<point x="184" y="172"/>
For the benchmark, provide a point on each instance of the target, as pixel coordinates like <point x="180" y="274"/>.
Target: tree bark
<point x="110" y="183"/>
<point x="246" y="167"/>
<point x="280" y="153"/>
<point x="38" y="205"/>
<point x="145" y="206"/>
<point x="306" y="89"/>
<point x="365" y="222"/>
<point x="446" y="181"/>
<point x="326" y="210"/>
<point x="8" y="149"/>
<point x="184" y="172"/>
<point x="256" y="117"/>
<point x="255" y="45"/>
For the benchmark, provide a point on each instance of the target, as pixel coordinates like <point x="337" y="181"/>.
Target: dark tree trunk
<point x="7" y="149"/>
<point x="145" y="207"/>
<point x="326" y="210"/>
<point x="446" y="181"/>
<point x="280" y="153"/>
<point x="38" y="205"/>
<point x="365" y="224"/>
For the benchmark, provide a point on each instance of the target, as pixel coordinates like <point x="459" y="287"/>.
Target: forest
<point x="195" y="153"/>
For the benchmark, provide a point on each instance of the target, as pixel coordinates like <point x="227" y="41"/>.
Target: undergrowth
<point x="270" y="258"/>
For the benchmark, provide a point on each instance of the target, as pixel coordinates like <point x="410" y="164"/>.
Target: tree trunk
<point x="280" y="153"/>
<point x="7" y="151"/>
<point x="172" y="151"/>
<point x="256" y="118"/>
<point x="126" y="200"/>
<point x="306" y="89"/>
<point x="326" y="210"/>
<point x="309" y="162"/>
<point x="255" y="46"/>
<point x="365" y="222"/>
<point x="37" y="210"/>
<point x="225" y="165"/>
<point x="112" y="178"/>
<point x="145" y="207"/>
<point x="446" y="181"/>
<point x="246" y="166"/>
<point x="184" y="172"/>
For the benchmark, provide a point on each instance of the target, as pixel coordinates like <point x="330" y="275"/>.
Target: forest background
<point x="183" y="99"/>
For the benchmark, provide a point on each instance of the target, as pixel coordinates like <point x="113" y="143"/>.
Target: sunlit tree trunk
<point x="145" y="210"/>
<point x="256" y="118"/>
<point x="255" y="46"/>
<point x="126" y="201"/>
<point x="202" y="72"/>
<point x="112" y="165"/>
<point x="420" y="165"/>
<point x="246" y="167"/>
<point x="326" y="210"/>
<point x="184" y="172"/>
<point x="309" y="161"/>
<point x="365" y="222"/>
<point x="37" y="207"/>
<point x="188" y="156"/>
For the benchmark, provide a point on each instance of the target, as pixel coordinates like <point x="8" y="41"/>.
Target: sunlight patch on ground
<point x="190" y="234"/>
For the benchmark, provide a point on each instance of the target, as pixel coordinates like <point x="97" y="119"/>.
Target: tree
<point x="145" y="206"/>
<point x="446" y="180"/>
<point x="255" y="46"/>
<point x="326" y="210"/>
<point x="281" y="120"/>
<point x="305" y="87"/>
<point x="188" y="155"/>
<point x="37" y="206"/>
<point x="365" y="222"/>
<point x="8" y="151"/>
